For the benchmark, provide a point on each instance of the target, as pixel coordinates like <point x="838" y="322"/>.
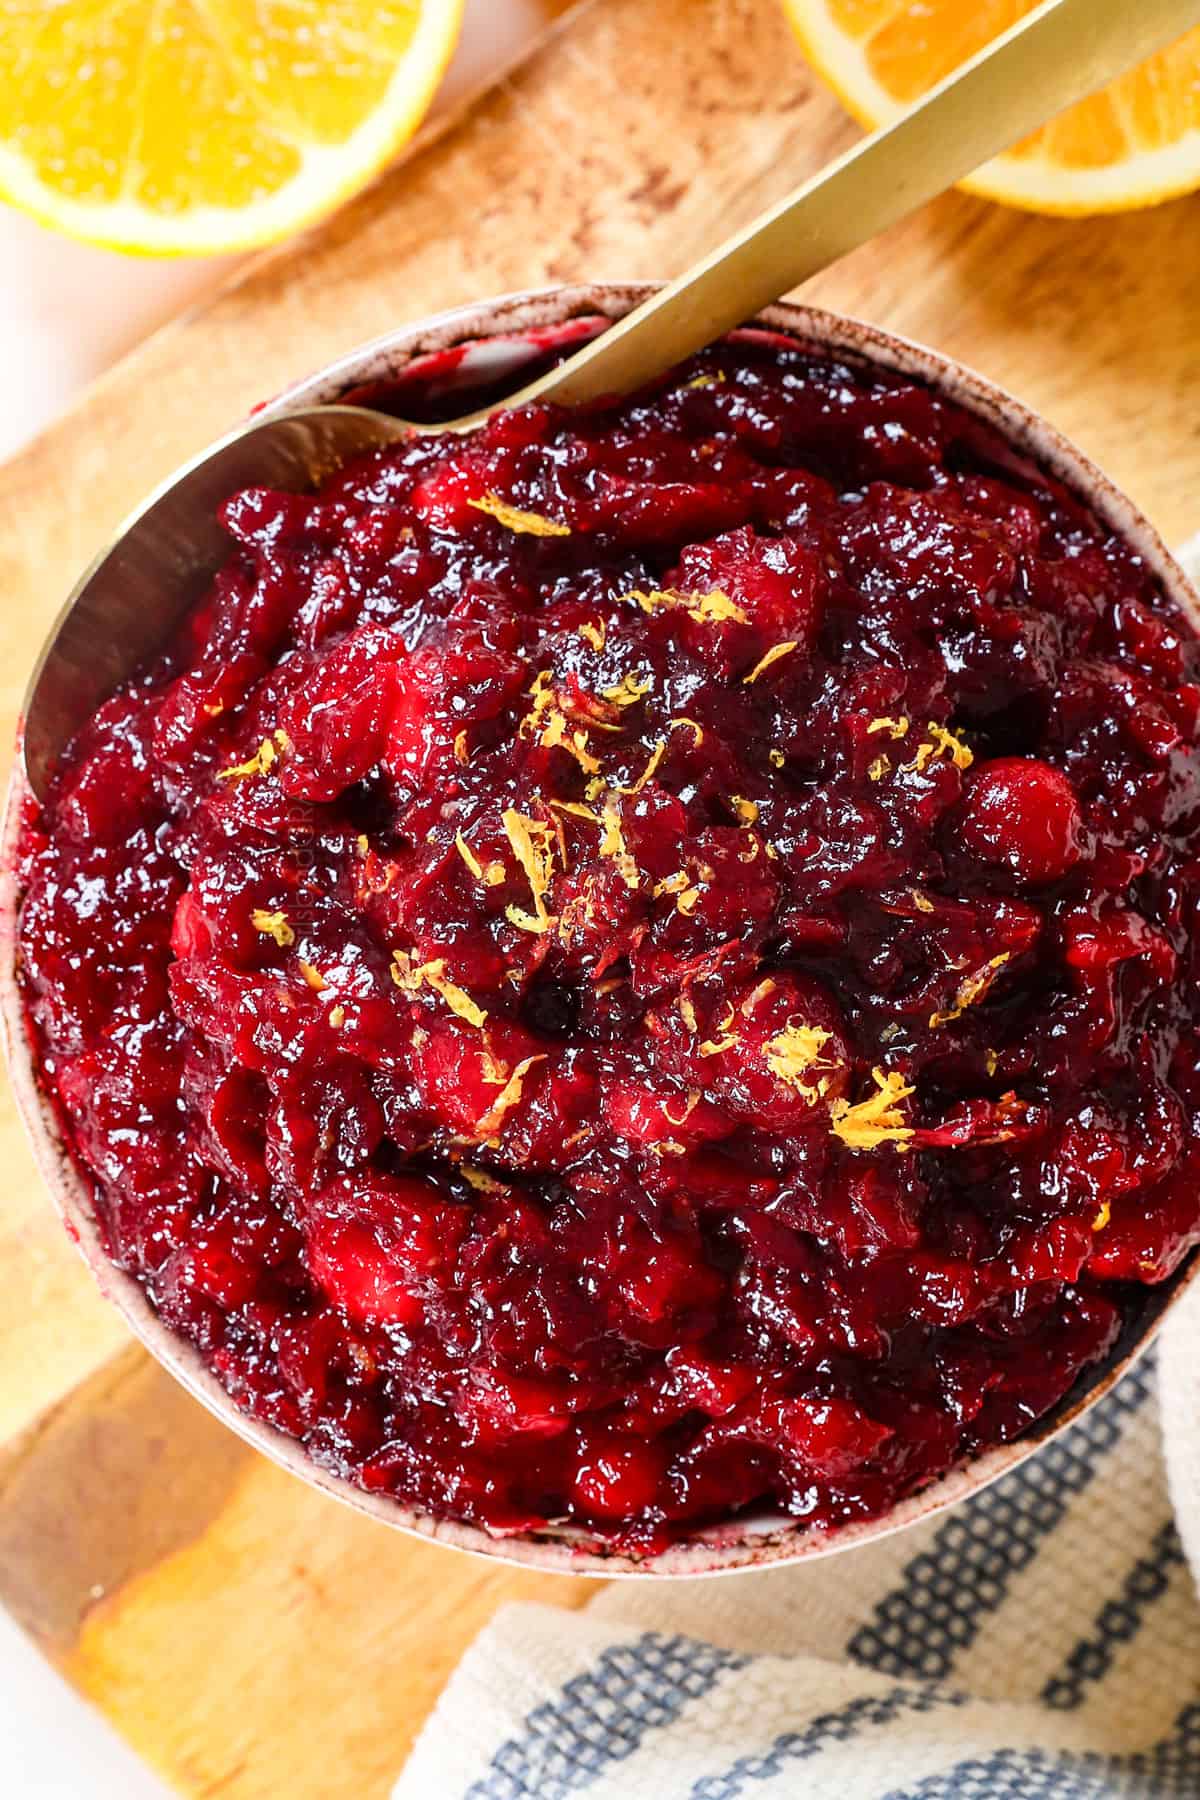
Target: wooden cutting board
<point x="245" y="1635"/>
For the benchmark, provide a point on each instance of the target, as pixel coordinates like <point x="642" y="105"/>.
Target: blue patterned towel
<point x="1040" y="1642"/>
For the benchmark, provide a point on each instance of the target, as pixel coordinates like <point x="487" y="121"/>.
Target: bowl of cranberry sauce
<point x="624" y="993"/>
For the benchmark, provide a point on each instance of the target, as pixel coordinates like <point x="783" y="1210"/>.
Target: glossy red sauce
<point x="680" y="1001"/>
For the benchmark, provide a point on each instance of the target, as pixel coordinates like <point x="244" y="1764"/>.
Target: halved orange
<point x="186" y="127"/>
<point x="1134" y="144"/>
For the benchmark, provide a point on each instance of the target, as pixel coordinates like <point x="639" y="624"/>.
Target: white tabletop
<point x="66" y="312"/>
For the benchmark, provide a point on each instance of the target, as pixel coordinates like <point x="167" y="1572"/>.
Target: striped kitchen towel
<point x="1039" y="1642"/>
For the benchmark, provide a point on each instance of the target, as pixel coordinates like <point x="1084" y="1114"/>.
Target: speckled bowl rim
<point x="744" y="1543"/>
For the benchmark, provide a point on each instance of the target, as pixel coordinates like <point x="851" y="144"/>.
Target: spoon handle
<point x="1056" y="55"/>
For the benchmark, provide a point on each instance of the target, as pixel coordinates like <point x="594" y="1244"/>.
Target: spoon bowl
<point x="130" y="598"/>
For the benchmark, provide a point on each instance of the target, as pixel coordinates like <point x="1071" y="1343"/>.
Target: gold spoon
<point x="127" y="602"/>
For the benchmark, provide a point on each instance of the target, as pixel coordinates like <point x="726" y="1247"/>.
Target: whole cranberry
<point x="616" y="1480"/>
<point x="1021" y="814"/>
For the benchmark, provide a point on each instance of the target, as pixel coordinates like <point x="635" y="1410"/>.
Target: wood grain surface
<point x="247" y="1636"/>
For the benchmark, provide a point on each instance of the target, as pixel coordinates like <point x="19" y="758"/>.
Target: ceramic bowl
<point x="492" y="345"/>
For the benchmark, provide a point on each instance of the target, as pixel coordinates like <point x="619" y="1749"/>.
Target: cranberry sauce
<point x="643" y="963"/>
